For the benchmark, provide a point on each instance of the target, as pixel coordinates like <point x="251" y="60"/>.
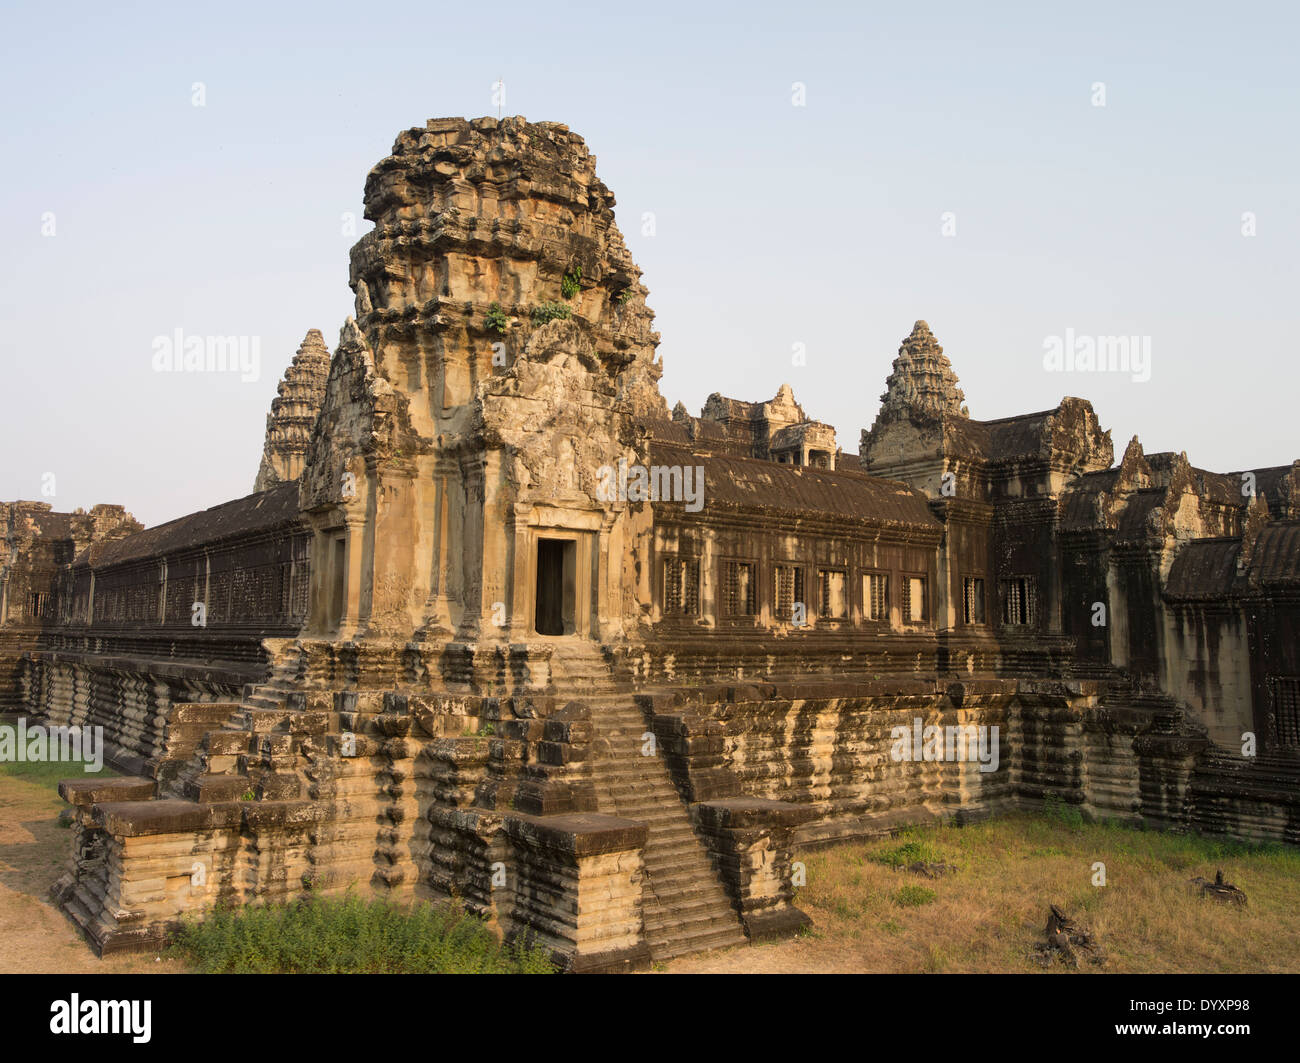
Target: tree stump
<point x="1223" y="892"/>
<point x="1065" y="941"/>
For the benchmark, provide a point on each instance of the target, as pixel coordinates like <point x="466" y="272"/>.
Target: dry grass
<point x="987" y="915"/>
<point x="870" y="914"/>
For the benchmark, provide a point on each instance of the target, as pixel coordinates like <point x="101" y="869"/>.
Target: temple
<point x="433" y="655"/>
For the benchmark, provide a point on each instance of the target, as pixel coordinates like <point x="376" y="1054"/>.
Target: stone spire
<point x="922" y="382"/>
<point x="485" y="232"/>
<point x="293" y="413"/>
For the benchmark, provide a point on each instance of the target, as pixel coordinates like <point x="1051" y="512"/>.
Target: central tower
<point x="502" y="353"/>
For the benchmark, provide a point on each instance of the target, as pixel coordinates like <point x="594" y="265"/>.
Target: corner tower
<point x="293" y="413"/>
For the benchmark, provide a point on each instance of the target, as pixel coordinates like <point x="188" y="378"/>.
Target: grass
<point x="352" y="936"/>
<point x="872" y="914"/>
<point x="912" y="896"/>
<point x="910" y="852"/>
<point x="49" y="774"/>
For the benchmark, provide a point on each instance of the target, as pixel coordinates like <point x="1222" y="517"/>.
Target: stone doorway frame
<point x="585" y="559"/>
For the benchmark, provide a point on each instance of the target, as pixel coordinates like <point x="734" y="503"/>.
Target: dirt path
<point x="35" y="937"/>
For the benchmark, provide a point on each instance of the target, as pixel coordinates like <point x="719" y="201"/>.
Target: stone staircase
<point x="582" y="666"/>
<point x="254" y="746"/>
<point x="685" y="906"/>
<point x="280" y="743"/>
<point x="188" y="725"/>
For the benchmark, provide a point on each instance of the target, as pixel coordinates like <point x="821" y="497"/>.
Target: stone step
<point x="674" y="945"/>
<point x="226" y="742"/>
<point x="649" y="796"/>
<point x="689" y="900"/>
<point x="693" y="912"/>
<point x="208" y="789"/>
<point x="664" y="849"/>
<point x="686" y="908"/>
<point x="199" y="712"/>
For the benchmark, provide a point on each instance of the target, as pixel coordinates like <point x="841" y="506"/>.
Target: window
<point x="681" y="586"/>
<point x="1018" y="601"/>
<point x="875" y="595"/>
<point x="787" y="592"/>
<point x="37" y="604"/>
<point x="1286" y="709"/>
<point x="834" y="600"/>
<point x="973" y="600"/>
<point x="738" y="588"/>
<point x="914" y="599"/>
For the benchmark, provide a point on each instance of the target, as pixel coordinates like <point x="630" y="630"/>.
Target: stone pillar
<point x="496" y="547"/>
<point x="471" y="553"/>
<point x="523" y="574"/>
<point x="608" y="624"/>
<point x="350" y="621"/>
<point x="444" y="587"/>
<point x="437" y="618"/>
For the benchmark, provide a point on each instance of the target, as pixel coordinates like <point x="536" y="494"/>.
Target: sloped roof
<point x="1025" y="435"/>
<point x="1017" y="437"/>
<point x="748" y="483"/>
<point x="264" y="509"/>
<point x="1079" y="499"/>
<point x="1223" y="488"/>
<point x="1204" y="568"/>
<point x="1276" y="561"/>
<point x="700" y="433"/>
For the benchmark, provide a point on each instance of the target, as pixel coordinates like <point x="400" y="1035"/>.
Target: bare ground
<point x="35" y="937"/>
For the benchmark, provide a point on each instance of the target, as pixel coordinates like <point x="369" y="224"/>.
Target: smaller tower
<point x="293" y="413"/>
<point x="923" y="382"/>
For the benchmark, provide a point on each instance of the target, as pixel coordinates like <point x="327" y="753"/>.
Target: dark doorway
<point x="555" y="586"/>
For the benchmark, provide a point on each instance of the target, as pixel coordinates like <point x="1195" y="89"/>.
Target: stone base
<point x="616" y="961"/>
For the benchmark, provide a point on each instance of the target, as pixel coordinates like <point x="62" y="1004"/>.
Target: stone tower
<point x="502" y="353"/>
<point x="922" y="382"/>
<point x="293" y="413"/>
<point x="920" y="410"/>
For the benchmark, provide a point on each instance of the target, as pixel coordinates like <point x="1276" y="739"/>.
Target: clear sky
<point x="775" y="224"/>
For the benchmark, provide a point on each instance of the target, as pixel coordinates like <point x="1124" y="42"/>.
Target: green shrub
<point x="913" y="896"/>
<point x="495" y="319"/>
<point x="550" y="312"/>
<point x="1056" y="809"/>
<point x="352" y="936"/>
<point x="910" y="852"/>
<point x="569" y="283"/>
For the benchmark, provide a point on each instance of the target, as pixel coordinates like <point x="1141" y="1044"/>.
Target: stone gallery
<point x="498" y="625"/>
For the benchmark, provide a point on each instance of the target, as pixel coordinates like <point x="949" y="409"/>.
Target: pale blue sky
<point x="775" y="224"/>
